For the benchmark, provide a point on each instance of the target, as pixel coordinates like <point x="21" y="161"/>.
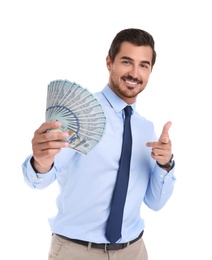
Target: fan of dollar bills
<point x="78" y="111"/>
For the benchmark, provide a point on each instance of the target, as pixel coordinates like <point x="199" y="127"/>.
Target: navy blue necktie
<point x="114" y="223"/>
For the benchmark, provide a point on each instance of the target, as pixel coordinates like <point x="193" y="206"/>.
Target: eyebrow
<point x="128" y="58"/>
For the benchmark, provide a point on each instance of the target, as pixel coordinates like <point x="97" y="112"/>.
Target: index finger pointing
<point x="164" y="137"/>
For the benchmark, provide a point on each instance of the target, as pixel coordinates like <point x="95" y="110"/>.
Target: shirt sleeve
<point x="160" y="187"/>
<point x="37" y="180"/>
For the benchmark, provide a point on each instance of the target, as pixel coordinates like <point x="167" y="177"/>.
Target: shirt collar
<point x="115" y="101"/>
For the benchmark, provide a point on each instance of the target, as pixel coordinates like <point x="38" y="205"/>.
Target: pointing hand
<point x="161" y="150"/>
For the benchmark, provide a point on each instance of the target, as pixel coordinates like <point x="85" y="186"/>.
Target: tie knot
<point x="128" y="110"/>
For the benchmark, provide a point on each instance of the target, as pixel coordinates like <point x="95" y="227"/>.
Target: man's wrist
<point x="168" y="165"/>
<point x="39" y="168"/>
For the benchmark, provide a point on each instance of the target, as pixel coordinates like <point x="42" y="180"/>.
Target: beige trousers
<point x="62" y="249"/>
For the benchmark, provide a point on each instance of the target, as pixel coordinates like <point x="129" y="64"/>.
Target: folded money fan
<point x="78" y="111"/>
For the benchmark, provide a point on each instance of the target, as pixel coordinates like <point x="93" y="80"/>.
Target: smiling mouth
<point x="132" y="83"/>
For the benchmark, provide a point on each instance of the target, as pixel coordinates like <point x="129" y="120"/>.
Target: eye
<point x="126" y="62"/>
<point x="145" y="66"/>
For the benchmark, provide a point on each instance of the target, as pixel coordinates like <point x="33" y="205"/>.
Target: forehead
<point x="136" y="53"/>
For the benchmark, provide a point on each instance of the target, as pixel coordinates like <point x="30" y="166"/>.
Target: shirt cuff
<point x="162" y="175"/>
<point x="34" y="179"/>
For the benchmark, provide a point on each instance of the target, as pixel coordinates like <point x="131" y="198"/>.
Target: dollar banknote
<point x="78" y="111"/>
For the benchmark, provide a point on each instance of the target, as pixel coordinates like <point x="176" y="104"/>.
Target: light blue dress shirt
<point x="87" y="181"/>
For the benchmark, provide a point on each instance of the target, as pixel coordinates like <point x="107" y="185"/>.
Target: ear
<point x="108" y="63"/>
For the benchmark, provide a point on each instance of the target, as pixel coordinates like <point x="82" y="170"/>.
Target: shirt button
<point x="161" y="175"/>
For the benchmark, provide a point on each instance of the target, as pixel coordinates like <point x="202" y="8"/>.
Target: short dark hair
<point x="135" y="36"/>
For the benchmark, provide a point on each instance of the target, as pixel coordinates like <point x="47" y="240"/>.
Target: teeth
<point x="130" y="82"/>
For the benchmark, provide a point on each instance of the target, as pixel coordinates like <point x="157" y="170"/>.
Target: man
<point x="79" y="230"/>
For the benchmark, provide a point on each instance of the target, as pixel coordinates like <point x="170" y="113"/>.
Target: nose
<point x="134" y="72"/>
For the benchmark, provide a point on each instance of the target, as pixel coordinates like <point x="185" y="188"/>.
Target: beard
<point x="122" y="89"/>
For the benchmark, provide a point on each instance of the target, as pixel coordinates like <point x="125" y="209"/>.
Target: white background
<point x="46" y="40"/>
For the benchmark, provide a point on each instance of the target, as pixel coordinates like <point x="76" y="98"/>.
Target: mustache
<point x="130" y="78"/>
